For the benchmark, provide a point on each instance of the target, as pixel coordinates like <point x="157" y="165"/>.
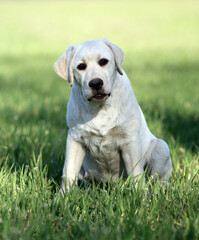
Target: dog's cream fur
<point x="107" y="137"/>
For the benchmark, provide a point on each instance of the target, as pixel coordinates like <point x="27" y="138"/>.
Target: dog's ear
<point x="63" y="66"/>
<point x="118" y="54"/>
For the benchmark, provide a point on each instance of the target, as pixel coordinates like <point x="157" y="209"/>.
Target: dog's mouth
<point x="100" y="96"/>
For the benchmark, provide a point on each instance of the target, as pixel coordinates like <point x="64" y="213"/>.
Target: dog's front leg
<point x="132" y="157"/>
<point x="75" y="153"/>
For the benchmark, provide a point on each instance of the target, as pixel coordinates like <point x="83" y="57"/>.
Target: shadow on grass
<point x="181" y="126"/>
<point x="43" y="132"/>
<point x="184" y="128"/>
<point x="32" y="113"/>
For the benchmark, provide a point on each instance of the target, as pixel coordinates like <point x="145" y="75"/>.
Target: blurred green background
<point x="161" y="44"/>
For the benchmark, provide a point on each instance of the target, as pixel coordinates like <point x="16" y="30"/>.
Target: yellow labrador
<point x="108" y="135"/>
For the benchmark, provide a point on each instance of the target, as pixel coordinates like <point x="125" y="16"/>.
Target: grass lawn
<point x="160" y="40"/>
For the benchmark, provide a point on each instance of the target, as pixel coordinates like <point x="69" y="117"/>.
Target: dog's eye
<point x="82" y="66"/>
<point x="103" y="62"/>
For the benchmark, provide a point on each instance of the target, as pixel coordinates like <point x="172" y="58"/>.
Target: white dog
<point x="108" y="136"/>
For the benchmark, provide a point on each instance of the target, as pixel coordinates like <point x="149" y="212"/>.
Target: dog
<point x="108" y="136"/>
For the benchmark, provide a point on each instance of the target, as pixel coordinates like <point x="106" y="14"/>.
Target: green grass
<point x="160" y="41"/>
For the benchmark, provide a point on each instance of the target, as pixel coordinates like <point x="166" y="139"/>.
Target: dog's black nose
<point x="96" y="84"/>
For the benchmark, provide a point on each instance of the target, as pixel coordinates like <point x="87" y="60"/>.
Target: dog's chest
<point x="105" y="149"/>
<point x="97" y="142"/>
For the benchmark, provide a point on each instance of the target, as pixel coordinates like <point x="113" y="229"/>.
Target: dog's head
<point x="92" y="65"/>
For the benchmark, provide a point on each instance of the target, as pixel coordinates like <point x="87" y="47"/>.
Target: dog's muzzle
<point x="96" y="85"/>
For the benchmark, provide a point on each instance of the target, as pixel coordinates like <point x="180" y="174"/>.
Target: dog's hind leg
<point x="158" y="160"/>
